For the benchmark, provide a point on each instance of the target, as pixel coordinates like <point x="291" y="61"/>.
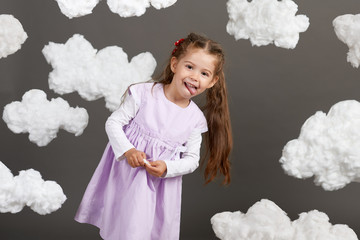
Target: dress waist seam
<point x="152" y="136"/>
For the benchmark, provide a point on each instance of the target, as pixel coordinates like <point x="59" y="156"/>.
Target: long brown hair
<point x="219" y="137"/>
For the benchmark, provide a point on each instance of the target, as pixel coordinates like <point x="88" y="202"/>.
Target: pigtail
<point x="219" y="137"/>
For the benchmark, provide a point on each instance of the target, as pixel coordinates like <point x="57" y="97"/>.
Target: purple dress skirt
<point x="128" y="203"/>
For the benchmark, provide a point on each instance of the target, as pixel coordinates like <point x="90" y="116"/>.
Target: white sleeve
<point x="189" y="160"/>
<point x="115" y="123"/>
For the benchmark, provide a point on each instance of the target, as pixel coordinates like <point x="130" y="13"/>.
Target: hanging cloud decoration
<point x="266" y="221"/>
<point x="347" y="29"/>
<point x="28" y="189"/>
<point x="12" y="35"/>
<point x="124" y="8"/>
<point x="78" y="8"/>
<point x="94" y="74"/>
<point x="266" y="21"/>
<point x="42" y="118"/>
<point x="328" y="147"/>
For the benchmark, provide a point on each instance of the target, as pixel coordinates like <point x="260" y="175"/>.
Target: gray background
<point x="272" y="91"/>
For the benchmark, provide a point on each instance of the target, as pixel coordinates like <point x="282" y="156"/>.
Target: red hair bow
<point x="177" y="43"/>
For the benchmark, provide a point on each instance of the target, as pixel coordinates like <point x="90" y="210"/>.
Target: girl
<point x="157" y="129"/>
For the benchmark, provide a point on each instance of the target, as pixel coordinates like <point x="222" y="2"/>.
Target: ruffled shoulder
<point x="138" y="90"/>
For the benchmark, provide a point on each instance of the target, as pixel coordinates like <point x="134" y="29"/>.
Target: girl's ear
<point x="215" y="79"/>
<point x="173" y="64"/>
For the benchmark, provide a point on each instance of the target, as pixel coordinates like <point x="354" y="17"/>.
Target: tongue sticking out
<point x="191" y="88"/>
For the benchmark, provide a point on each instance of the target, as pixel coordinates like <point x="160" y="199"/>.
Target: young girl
<point x="154" y="139"/>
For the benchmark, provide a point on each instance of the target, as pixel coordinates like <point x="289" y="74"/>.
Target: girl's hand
<point x="156" y="168"/>
<point x="135" y="157"/>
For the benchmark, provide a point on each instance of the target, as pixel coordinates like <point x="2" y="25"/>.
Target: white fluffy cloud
<point x="94" y="74"/>
<point x="266" y="221"/>
<point x="266" y="21"/>
<point x="124" y="8"/>
<point x="347" y="29"/>
<point x="78" y="8"/>
<point x="12" y="35"/>
<point x="328" y="147"/>
<point x="28" y="189"/>
<point x="42" y="118"/>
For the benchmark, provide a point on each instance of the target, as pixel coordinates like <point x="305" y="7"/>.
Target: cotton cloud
<point x="347" y="29"/>
<point x="78" y="8"/>
<point x="12" y="35"/>
<point x="28" y="189"/>
<point x="94" y="74"/>
<point x="266" y="221"/>
<point x="328" y="147"/>
<point x="124" y="8"/>
<point x="266" y="21"/>
<point x="137" y="8"/>
<point x="42" y="118"/>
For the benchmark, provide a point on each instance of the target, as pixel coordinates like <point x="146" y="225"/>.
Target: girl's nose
<point x="195" y="76"/>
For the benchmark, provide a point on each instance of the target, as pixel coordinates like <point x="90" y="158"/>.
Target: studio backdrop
<point x="293" y="92"/>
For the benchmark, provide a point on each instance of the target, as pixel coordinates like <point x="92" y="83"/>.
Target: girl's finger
<point x="154" y="164"/>
<point x="137" y="164"/>
<point x="134" y="161"/>
<point x="153" y="171"/>
<point x="149" y="169"/>
<point x="129" y="161"/>
<point x="140" y="161"/>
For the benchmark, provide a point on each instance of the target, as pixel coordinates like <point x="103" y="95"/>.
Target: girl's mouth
<point x="191" y="88"/>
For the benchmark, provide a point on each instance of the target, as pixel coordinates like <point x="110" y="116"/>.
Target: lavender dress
<point x="128" y="203"/>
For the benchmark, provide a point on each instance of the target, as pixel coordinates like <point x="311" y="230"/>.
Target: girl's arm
<point x="189" y="160"/>
<point x="115" y="123"/>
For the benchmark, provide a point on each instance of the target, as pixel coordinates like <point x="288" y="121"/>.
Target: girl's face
<point x="193" y="73"/>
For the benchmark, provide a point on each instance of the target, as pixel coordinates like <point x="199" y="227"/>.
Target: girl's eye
<point x="189" y="66"/>
<point x="205" y="74"/>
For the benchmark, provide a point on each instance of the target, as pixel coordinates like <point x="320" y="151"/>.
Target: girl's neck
<point x="172" y="95"/>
